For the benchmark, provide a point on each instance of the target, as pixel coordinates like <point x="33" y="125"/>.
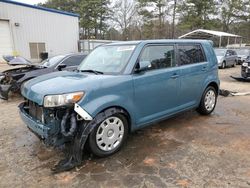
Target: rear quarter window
<point x="190" y="54"/>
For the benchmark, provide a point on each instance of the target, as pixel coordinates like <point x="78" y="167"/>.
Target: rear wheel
<point x="208" y="101"/>
<point x="109" y="136"/>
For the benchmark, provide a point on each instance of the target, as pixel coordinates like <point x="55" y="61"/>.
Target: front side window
<point x="158" y="56"/>
<point x="190" y="54"/>
<point x="108" y="59"/>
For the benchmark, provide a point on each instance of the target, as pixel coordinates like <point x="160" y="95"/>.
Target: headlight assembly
<point x="62" y="100"/>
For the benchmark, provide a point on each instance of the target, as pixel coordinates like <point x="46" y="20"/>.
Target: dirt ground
<point x="186" y="151"/>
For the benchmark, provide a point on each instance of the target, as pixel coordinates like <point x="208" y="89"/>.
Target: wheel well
<point x="127" y="115"/>
<point x="215" y="85"/>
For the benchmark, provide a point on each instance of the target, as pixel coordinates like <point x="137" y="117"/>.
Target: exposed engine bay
<point x="12" y="79"/>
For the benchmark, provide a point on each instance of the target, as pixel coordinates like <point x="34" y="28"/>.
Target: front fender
<point x="93" y="107"/>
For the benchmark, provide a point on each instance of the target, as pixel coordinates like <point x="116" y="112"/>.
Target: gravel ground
<point x="188" y="150"/>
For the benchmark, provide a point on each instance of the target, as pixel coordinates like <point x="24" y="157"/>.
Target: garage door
<point x="5" y="39"/>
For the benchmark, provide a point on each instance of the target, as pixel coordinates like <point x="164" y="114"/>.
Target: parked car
<point x="12" y="79"/>
<point x="245" y="68"/>
<point x="243" y="54"/>
<point x="119" y="88"/>
<point x="226" y="58"/>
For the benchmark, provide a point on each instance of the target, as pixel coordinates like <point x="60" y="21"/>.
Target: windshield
<point x="108" y="59"/>
<point x="243" y="52"/>
<point x="220" y="52"/>
<point x="52" y="61"/>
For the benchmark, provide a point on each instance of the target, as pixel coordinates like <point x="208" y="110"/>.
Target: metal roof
<point x="205" y="34"/>
<point x="40" y="8"/>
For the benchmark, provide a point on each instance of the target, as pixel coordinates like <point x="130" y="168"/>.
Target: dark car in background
<point x="243" y="54"/>
<point x="226" y="57"/>
<point x="245" y="68"/>
<point x="12" y="79"/>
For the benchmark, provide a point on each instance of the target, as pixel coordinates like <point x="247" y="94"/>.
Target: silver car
<point x="226" y="58"/>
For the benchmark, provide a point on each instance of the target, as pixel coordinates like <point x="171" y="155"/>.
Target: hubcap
<point x="110" y="133"/>
<point x="210" y="100"/>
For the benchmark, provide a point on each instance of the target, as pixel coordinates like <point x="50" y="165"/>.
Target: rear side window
<point x="73" y="60"/>
<point x="159" y="56"/>
<point x="190" y="54"/>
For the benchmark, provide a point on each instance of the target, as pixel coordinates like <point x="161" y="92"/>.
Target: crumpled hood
<point x="18" y="61"/>
<point x="59" y="83"/>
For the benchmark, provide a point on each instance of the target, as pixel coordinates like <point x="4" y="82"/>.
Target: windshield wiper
<point x="93" y="71"/>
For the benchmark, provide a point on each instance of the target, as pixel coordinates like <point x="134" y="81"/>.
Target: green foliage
<point x="196" y="14"/>
<point x="149" y="19"/>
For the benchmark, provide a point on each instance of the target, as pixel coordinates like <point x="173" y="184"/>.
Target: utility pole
<point x="173" y="23"/>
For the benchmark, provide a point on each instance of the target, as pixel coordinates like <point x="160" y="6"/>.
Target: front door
<point x="156" y="89"/>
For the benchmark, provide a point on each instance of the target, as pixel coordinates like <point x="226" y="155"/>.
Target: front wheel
<point x="208" y="101"/>
<point x="109" y="136"/>
<point x="223" y="66"/>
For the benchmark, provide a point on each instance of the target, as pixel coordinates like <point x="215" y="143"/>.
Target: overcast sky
<point x="32" y="2"/>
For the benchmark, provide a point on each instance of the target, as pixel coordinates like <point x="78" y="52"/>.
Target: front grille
<point x="36" y="111"/>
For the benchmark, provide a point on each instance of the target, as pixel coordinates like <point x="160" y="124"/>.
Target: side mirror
<point x="143" y="66"/>
<point x="61" y="66"/>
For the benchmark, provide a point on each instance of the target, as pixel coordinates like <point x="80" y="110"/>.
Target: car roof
<point x="158" y="41"/>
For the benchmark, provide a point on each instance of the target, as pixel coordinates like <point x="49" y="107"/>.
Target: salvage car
<point x="243" y="54"/>
<point x="119" y="88"/>
<point x="226" y="58"/>
<point x="12" y="79"/>
<point x="245" y="68"/>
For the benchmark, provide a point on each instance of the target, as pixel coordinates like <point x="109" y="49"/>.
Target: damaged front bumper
<point x="40" y="129"/>
<point x="245" y="71"/>
<point x="46" y="123"/>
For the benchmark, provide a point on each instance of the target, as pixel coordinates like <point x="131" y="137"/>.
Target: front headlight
<point x="244" y="64"/>
<point x="62" y="100"/>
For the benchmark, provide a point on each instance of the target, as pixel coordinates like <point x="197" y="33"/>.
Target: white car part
<point x="81" y="112"/>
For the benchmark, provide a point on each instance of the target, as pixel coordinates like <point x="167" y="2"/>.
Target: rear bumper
<point x="36" y="126"/>
<point x="4" y="91"/>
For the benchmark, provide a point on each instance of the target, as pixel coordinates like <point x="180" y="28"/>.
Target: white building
<point x="27" y="30"/>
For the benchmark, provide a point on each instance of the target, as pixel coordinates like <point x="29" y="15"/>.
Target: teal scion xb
<point x="117" y="89"/>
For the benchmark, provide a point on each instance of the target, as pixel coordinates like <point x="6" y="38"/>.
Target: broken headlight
<point x="62" y="100"/>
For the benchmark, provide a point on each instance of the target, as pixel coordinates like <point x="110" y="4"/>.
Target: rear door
<point x="193" y="72"/>
<point x="156" y="90"/>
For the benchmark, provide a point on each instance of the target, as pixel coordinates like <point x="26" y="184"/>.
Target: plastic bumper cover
<point x="37" y="127"/>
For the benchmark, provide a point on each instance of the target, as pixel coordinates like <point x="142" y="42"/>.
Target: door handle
<point x="204" y="69"/>
<point x="174" y="76"/>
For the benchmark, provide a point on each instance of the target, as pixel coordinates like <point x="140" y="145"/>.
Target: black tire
<point x="96" y="150"/>
<point x="224" y="65"/>
<point x="202" y="107"/>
